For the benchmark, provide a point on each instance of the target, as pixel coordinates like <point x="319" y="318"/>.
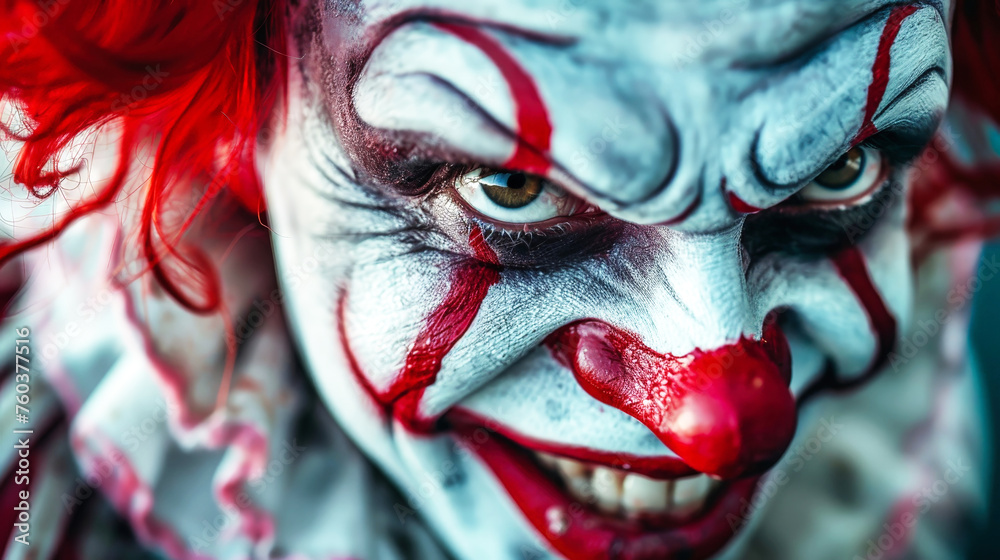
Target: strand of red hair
<point x="70" y="66"/>
<point x="197" y="79"/>
<point x="191" y="81"/>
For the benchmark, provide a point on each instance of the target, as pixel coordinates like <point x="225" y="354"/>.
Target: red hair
<point x="196" y="78"/>
<point x="200" y="78"/>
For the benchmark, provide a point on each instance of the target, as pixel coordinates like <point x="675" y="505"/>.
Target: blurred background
<point x="985" y="344"/>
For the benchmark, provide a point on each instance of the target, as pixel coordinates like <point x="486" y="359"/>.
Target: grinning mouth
<point x="604" y="509"/>
<point x="628" y="495"/>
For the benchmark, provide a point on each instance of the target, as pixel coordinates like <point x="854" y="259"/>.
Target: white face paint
<point x="563" y="245"/>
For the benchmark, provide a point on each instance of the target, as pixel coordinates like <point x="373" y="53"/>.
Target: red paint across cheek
<point x="471" y="280"/>
<point x="726" y="412"/>
<point x="444" y="327"/>
<point x="880" y="70"/>
<point x="850" y="264"/>
<point x="533" y="125"/>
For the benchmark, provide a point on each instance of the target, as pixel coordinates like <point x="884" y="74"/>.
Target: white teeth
<point x="607" y="489"/>
<point x="580" y="488"/>
<point x="615" y="491"/>
<point x="641" y="494"/>
<point x="547" y="460"/>
<point x="571" y="468"/>
<point x="690" y="494"/>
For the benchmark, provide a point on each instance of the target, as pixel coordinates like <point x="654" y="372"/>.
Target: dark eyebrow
<point x="422" y="145"/>
<point x="380" y="30"/>
<point x="467" y="101"/>
<point x="904" y="141"/>
<point x="428" y="147"/>
<point x="916" y="137"/>
<point x="918" y="82"/>
<point x="906" y="145"/>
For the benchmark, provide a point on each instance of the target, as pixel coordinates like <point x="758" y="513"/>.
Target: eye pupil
<point x="516" y="181"/>
<point x="845" y="171"/>
<point x="511" y="190"/>
<point x="840" y="164"/>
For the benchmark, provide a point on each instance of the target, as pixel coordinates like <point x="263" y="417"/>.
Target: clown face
<point x="584" y="263"/>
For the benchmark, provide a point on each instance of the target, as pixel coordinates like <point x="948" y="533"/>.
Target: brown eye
<point x="513" y="197"/>
<point x="511" y="190"/>
<point x="853" y="177"/>
<point x="845" y="171"/>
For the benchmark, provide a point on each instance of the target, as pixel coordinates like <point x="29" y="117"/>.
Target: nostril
<point x="776" y="345"/>
<point x="727" y="412"/>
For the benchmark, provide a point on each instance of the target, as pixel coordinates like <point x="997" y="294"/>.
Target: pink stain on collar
<point x="880" y="70"/>
<point x="727" y="412"/>
<point x="130" y="495"/>
<point x="444" y="327"/>
<point x="533" y="125"/>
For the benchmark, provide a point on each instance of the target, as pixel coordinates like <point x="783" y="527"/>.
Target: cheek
<point x="880" y="275"/>
<point x="392" y="328"/>
<point x="852" y="304"/>
<point x="434" y="312"/>
<point x="384" y="309"/>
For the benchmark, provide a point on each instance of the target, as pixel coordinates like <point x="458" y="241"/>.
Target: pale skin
<point x="698" y="167"/>
<point x="573" y="279"/>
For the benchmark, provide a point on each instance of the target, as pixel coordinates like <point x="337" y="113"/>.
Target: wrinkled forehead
<point x="656" y="110"/>
<point x="653" y="31"/>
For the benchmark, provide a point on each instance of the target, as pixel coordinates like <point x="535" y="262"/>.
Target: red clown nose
<point x="727" y="412"/>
